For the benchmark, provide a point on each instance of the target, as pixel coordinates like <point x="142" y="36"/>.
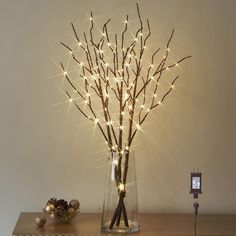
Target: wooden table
<point x="88" y="224"/>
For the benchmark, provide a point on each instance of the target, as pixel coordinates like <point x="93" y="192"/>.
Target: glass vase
<point x="120" y="206"/>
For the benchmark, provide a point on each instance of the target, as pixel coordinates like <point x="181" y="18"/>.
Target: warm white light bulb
<point x="121" y="187"/>
<point x="79" y="43"/>
<point x="91" y="18"/>
<point x="130" y="107"/>
<point x="138" y="127"/>
<point x="121" y="127"/>
<point x="151" y="65"/>
<point x="168" y="49"/>
<point x="109" y="44"/>
<point x="65" y="73"/>
<point x="70" y="100"/>
<point x="154" y="95"/>
<point x="172" y="86"/>
<point x="159" y="102"/>
<point x="121" y="152"/>
<point x="148" y="110"/>
<point x="96" y="121"/>
<point x="142" y="106"/>
<point x="115" y="162"/>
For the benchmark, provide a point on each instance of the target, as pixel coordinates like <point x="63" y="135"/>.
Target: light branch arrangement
<point x="118" y="89"/>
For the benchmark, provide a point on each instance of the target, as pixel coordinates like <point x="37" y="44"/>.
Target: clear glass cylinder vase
<point x="120" y="206"/>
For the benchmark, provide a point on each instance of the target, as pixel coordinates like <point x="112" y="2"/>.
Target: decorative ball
<point x="40" y="221"/>
<point x="71" y="212"/>
<point x="50" y="208"/>
<point x="74" y="204"/>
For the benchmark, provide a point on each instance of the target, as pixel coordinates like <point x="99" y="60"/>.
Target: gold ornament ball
<point x="74" y="204"/>
<point x="71" y="212"/>
<point x="49" y="208"/>
<point x="40" y="221"/>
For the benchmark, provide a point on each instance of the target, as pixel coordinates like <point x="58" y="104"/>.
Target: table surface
<point x="88" y="224"/>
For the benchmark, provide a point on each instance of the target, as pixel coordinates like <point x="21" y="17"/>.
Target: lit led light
<point x="121" y="187"/>
<point x="103" y="34"/>
<point x="91" y="18"/>
<point x="126" y="22"/>
<point x="122" y="113"/>
<point x="81" y="63"/>
<point x="172" y="86"/>
<point x="130" y="55"/>
<point x="154" y="95"/>
<point x="138" y="127"/>
<point x="168" y="49"/>
<point x="159" y="102"/>
<point x="96" y="121"/>
<point x="121" y="127"/>
<point x="121" y="152"/>
<point x="101" y="51"/>
<point x="70" y="100"/>
<point x="176" y="64"/>
<point x="115" y="162"/>
<point x="142" y="106"/>
<point x="140" y="34"/>
<point x="130" y="107"/>
<point x="151" y="65"/>
<point x="109" y="44"/>
<point x="152" y="77"/>
<point x="87" y="94"/>
<point x="71" y="52"/>
<point x="144" y="47"/>
<point x="136" y="100"/>
<point x="148" y="110"/>
<point x="126" y="148"/>
<point x="86" y="101"/>
<point x="65" y="73"/>
<point x="136" y="39"/>
<point x="167" y="68"/>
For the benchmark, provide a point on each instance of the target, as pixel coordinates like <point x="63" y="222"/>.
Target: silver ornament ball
<point x="74" y="204"/>
<point x="40" y="221"/>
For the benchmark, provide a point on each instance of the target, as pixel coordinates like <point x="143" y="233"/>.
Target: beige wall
<point x="48" y="150"/>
